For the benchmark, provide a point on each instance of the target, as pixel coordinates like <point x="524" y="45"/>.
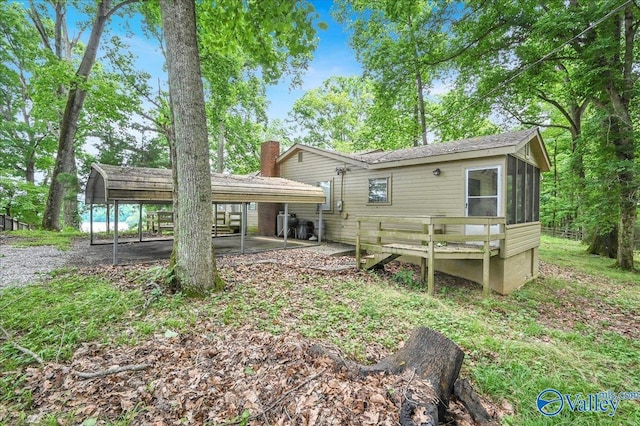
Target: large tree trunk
<point x="193" y="257"/>
<point x="605" y="244"/>
<point x="65" y="159"/>
<point x="423" y="120"/>
<point x="71" y="213"/>
<point x="619" y="83"/>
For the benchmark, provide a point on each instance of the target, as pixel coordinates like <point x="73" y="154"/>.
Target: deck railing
<point x="431" y="237"/>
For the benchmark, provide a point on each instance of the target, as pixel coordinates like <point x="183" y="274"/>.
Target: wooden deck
<point x="385" y="238"/>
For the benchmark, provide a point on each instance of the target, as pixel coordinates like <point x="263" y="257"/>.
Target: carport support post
<point x="115" y="232"/>
<point x="285" y="225"/>
<point x="140" y="223"/>
<point x="91" y="224"/>
<point x="108" y="211"/>
<point x="320" y="225"/>
<point x="243" y="227"/>
<point x="245" y="217"/>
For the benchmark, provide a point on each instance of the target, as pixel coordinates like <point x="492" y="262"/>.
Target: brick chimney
<point x="268" y="212"/>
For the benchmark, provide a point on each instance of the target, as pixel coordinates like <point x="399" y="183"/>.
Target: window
<point x="253" y="206"/>
<point x="326" y="187"/>
<point x="482" y="192"/>
<point x="523" y="191"/>
<point x="299" y="156"/>
<point x="379" y="190"/>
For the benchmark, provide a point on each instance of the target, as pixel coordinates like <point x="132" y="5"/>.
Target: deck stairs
<point x="377" y="260"/>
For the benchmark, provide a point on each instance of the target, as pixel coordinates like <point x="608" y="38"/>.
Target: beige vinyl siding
<point x="534" y="157"/>
<point x="522" y="154"/>
<point x="520" y="238"/>
<point x="414" y="190"/>
<point x="313" y="169"/>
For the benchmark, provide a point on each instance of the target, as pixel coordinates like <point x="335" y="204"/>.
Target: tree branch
<point x="21" y="348"/>
<point x="112" y="370"/>
<point x="533" y="123"/>
<point x="35" y="17"/>
<point x="469" y="45"/>
<point x="542" y="96"/>
<point x="118" y="6"/>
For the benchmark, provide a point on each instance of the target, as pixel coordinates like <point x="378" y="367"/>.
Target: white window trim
<point x="498" y="192"/>
<point x="327" y="207"/>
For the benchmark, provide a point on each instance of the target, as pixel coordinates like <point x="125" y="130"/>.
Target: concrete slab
<point x="131" y="251"/>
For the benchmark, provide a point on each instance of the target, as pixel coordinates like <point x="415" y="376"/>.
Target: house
<point x="496" y="176"/>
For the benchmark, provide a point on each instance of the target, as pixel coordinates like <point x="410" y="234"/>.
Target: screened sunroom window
<point x="523" y="191"/>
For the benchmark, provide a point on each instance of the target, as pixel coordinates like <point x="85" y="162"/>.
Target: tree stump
<point x="428" y="355"/>
<point x="470" y="399"/>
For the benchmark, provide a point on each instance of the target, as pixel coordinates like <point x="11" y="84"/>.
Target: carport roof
<point x="108" y="183"/>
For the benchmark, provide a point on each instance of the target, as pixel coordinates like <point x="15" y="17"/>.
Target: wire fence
<point x="8" y="223"/>
<point x="563" y="233"/>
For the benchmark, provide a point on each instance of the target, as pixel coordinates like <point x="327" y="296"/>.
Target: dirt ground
<point x="218" y="374"/>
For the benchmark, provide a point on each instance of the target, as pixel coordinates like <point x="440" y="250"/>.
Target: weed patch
<point x="29" y="238"/>
<point x="53" y="318"/>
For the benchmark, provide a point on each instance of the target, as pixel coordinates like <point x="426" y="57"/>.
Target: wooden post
<point x="423" y="261"/>
<point x="430" y="266"/>
<point x="379" y="238"/>
<point x="358" y="263"/>
<point x="486" y="259"/>
<point x="215" y="219"/>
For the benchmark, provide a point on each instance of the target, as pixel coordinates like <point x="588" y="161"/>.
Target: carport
<point x="116" y="185"/>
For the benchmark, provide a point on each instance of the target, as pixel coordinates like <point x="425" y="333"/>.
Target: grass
<point x="515" y="346"/>
<point x="29" y="238"/>
<point x="573" y="254"/>
<point x="53" y="318"/>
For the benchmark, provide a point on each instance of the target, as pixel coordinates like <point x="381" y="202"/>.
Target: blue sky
<point x="332" y="57"/>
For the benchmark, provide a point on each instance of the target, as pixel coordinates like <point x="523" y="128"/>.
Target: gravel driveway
<point x="20" y="266"/>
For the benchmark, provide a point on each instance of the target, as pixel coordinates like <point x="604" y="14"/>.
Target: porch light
<point x="437" y="172"/>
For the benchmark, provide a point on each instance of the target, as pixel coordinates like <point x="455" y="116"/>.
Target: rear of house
<point x="497" y="175"/>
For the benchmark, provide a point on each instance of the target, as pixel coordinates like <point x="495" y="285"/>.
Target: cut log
<point x="427" y="354"/>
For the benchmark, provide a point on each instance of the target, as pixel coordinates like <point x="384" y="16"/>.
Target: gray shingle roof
<point x="464" y="145"/>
